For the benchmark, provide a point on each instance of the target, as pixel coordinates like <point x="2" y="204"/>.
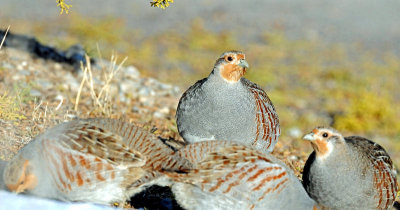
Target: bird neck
<point x="341" y="151"/>
<point x="216" y="77"/>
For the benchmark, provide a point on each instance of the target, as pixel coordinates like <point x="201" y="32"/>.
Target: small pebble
<point x="35" y="93"/>
<point x="295" y="132"/>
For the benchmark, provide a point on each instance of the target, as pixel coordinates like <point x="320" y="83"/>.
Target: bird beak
<point x="309" y="137"/>
<point x="243" y="63"/>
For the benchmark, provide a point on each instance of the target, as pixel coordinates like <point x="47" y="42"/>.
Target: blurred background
<point x="321" y="62"/>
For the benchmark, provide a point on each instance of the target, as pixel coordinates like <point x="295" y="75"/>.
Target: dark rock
<point x="72" y="56"/>
<point x="75" y="55"/>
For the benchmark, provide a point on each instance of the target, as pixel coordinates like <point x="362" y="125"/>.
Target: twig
<point x="4" y="38"/>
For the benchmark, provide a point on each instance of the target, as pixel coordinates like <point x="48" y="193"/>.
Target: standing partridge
<point x="227" y="175"/>
<point x="348" y="173"/>
<point x="96" y="160"/>
<point x="226" y="106"/>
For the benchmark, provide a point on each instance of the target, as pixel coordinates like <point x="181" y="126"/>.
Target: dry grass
<point x="100" y="96"/>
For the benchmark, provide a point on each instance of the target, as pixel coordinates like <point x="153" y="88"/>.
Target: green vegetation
<point x="11" y="102"/>
<point x="9" y="108"/>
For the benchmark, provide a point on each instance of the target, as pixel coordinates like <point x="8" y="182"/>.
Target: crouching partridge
<point x="95" y="160"/>
<point x="227" y="175"/>
<point x="348" y="172"/>
<point x="226" y="106"/>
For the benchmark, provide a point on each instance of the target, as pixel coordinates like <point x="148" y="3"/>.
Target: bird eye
<point x="325" y="135"/>
<point x="229" y="58"/>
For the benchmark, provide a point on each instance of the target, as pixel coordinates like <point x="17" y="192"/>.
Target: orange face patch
<point x="232" y="72"/>
<point x="24" y="182"/>
<point x="315" y="131"/>
<point x="240" y="56"/>
<point x="320" y="147"/>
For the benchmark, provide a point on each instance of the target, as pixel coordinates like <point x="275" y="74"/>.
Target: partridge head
<point x="231" y="66"/>
<point x="19" y="176"/>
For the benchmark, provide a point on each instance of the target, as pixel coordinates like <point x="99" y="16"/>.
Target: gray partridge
<point x="348" y="172"/>
<point x="95" y="160"/>
<point x="226" y="106"/>
<point x="227" y="175"/>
